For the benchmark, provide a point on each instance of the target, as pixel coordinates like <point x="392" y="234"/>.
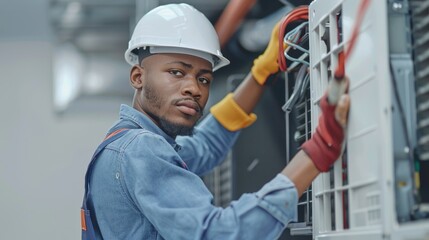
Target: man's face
<point x="174" y="90"/>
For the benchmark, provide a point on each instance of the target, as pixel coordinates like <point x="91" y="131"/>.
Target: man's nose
<point x="191" y="87"/>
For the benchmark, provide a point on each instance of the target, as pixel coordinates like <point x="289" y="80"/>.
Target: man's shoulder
<point x="142" y="137"/>
<point x="144" y="144"/>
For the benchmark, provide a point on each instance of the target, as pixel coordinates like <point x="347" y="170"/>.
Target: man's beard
<point x="170" y="128"/>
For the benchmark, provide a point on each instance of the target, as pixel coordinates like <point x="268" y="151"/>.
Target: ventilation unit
<point x="378" y="190"/>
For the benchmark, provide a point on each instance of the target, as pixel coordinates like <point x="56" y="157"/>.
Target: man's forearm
<point x="301" y="171"/>
<point x="248" y="93"/>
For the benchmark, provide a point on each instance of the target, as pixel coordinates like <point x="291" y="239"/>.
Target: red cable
<point x="299" y="13"/>
<point x="343" y="56"/>
<point x="339" y="75"/>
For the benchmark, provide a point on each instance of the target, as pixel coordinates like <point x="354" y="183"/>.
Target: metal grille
<point x="421" y="57"/>
<point x="298" y="130"/>
<point x="219" y="182"/>
<point x="224" y="187"/>
<point x="303" y="130"/>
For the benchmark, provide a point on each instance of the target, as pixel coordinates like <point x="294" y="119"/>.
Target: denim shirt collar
<point x="143" y="121"/>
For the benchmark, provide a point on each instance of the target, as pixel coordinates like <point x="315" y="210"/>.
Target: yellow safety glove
<point x="266" y="64"/>
<point x="230" y="115"/>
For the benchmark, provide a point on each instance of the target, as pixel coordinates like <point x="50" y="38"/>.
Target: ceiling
<point x="104" y="26"/>
<point x="95" y="34"/>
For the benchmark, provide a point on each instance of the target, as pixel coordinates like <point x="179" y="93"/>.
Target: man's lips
<point x="189" y="107"/>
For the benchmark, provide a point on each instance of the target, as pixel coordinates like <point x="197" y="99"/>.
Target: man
<point x="146" y="184"/>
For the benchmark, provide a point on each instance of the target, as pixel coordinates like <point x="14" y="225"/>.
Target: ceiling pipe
<point x="231" y="18"/>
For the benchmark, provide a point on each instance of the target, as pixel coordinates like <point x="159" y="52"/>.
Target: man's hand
<point x="325" y="146"/>
<point x="266" y="64"/>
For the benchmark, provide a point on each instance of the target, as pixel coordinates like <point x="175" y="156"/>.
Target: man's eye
<point x="204" y="80"/>
<point x="176" y="73"/>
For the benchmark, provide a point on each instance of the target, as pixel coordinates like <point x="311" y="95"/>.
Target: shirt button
<point x="177" y="147"/>
<point x="117" y="175"/>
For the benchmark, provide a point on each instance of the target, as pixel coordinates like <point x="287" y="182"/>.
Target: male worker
<point x="146" y="184"/>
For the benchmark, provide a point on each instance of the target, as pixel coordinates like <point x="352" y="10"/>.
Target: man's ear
<point x="136" y="76"/>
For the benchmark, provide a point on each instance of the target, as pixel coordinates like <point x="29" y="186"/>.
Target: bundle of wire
<point x="290" y="39"/>
<point x="295" y="39"/>
<point x="299" y="13"/>
<point x="301" y="84"/>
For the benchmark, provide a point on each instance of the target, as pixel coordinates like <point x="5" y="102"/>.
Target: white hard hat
<point x="176" y="28"/>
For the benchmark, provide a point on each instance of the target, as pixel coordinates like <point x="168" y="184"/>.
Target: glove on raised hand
<point x="266" y="64"/>
<point x="325" y="145"/>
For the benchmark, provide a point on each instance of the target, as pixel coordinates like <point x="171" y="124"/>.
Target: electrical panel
<point x="379" y="187"/>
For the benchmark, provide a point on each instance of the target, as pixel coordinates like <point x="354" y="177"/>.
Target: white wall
<point x="43" y="156"/>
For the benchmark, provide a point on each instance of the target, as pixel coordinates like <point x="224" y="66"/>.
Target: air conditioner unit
<point x="379" y="189"/>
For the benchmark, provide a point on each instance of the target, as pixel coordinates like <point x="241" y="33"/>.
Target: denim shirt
<point x="146" y="185"/>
